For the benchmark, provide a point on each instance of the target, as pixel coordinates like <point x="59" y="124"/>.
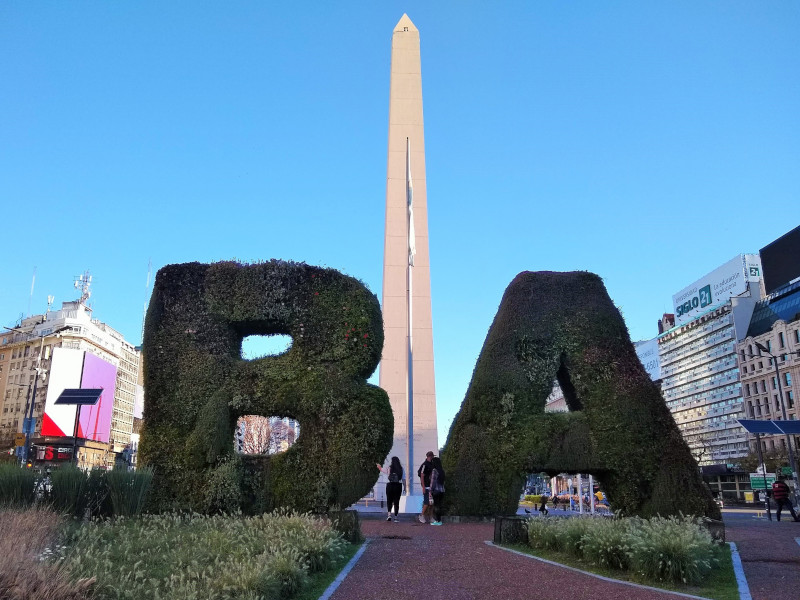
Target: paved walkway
<point x="408" y="560"/>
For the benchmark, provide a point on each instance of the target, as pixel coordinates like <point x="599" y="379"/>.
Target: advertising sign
<point x="648" y="356"/>
<point x="716" y="288"/>
<point x="95" y="420"/>
<point x="73" y="369"/>
<point x="65" y="372"/>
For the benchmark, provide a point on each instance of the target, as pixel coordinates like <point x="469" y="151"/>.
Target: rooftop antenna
<point x="30" y="298"/>
<point x="50" y="300"/>
<point x="146" y="287"/>
<point x="83" y="283"/>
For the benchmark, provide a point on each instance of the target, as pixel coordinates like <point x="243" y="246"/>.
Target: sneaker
<point x="389" y="518"/>
<point x="422" y="519"/>
<point x="395" y="519"/>
<point x="436" y="523"/>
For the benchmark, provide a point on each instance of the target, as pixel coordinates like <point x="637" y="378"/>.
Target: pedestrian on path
<point x="555" y="501"/>
<point x="437" y="489"/>
<point x="543" y="507"/>
<point x="424" y="474"/>
<point x="394" y="487"/>
<point x="780" y="493"/>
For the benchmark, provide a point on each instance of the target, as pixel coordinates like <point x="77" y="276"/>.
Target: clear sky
<point x="648" y="142"/>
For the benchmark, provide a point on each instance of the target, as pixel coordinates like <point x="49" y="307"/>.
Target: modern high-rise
<point x="406" y="368"/>
<point x="699" y="369"/>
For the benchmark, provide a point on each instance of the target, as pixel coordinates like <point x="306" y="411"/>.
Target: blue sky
<point x="646" y="142"/>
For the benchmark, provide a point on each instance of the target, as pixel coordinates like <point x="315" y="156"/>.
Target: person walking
<point x="424" y="474"/>
<point x="555" y="501"/>
<point x="437" y="490"/>
<point x="543" y="506"/>
<point x="780" y="493"/>
<point x="394" y="487"/>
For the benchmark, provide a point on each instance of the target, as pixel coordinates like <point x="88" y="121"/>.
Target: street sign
<point x="29" y="426"/>
<point x="786" y="471"/>
<point x="19" y="439"/>
<point x="757" y="481"/>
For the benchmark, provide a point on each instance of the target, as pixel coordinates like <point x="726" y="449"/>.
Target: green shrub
<point x="346" y="522"/>
<point x="607" y="543"/>
<point x="127" y="490"/>
<point x="674" y="549"/>
<point x="284" y="575"/>
<point x="68" y="486"/>
<point x="17" y="485"/>
<point x="564" y="327"/>
<point x="544" y="534"/>
<point x="572" y="532"/>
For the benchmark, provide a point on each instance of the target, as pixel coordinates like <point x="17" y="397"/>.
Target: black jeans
<point x="788" y="504"/>
<point x="437" y="505"/>
<point x="393" y="491"/>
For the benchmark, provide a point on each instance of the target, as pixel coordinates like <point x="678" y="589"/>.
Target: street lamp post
<point x="789" y="444"/>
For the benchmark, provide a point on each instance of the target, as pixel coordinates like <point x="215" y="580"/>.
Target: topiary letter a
<point x="564" y="327"/>
<point x="198" y="386"/>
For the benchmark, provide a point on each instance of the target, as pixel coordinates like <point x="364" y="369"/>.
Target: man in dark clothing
<point x="424" y="474"/>
<point x="780" y="493"/>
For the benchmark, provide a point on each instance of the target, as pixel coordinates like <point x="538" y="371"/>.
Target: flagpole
<point x="410" y="355"/>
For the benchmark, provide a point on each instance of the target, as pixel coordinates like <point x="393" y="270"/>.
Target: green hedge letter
<point x="564" y="327"/>
<point x="198" y="385"/>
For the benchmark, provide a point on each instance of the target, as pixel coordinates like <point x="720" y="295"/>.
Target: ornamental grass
<point x="185" y="557"/>
<point x="659" y="549"/>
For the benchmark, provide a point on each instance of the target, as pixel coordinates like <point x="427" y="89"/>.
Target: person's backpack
<point x="394" y="477"/>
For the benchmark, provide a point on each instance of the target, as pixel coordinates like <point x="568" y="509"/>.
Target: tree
<point x="257" y="433"/>
<point x="772" y="460"/>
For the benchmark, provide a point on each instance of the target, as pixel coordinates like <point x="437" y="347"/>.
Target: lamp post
<point x="27" y="421"/>
<point x="774" y="358"/>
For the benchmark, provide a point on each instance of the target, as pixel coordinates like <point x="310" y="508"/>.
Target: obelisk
<point x="406" y="371"/>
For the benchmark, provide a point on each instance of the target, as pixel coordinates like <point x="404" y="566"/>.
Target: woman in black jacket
<point x="394" y="487"/>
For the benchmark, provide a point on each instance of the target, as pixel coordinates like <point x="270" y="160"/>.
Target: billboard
<point x="72" y="369"/>
<point x="780" y="260"/>
<point x="648" y="355"/>
<point x="713" y="290"/>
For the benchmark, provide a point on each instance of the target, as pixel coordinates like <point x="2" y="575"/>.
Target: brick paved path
<point x="770" y="554"/>
<point x="408" y="560"/>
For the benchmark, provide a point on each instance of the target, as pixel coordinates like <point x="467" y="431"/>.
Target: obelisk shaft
<point x="402" y="282"/>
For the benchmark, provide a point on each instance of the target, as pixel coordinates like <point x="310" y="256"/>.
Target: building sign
<point x="713" y="290"/>
<point x="648" y="356"/>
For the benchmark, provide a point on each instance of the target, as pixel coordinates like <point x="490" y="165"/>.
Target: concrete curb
<point x="340" y="578"/>
<point x="609" y="579"/>
<point x="741" y="580"/>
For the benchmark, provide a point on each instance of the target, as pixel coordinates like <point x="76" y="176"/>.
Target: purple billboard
<point x="95" y="421"/>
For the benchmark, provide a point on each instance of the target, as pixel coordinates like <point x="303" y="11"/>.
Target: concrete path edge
<point x="595" y="575"/>
<point x="344" y="572"/>
<point x="738" y="569"/>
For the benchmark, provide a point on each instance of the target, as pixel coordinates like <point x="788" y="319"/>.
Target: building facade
<point x="769" y="392"/>
<point x="29" y="349"/>
<point x="698" y="359"/>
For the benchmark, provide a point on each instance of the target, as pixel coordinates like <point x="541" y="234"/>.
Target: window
<point x="788" y="378"/>
<point x="746" y="390"/>
<point x="774" y="383"/>
<point x="760" y="365"/>
<point x="769" y="345"/>
<point x="763" y="386"/>
<point x="741" y="353"/>
<point x="750" y="410"/>
<point x="750" y="350"/>
<point x="781" y="341"/>
<point x="789" y="400"/>
<point x="796" y="336"/>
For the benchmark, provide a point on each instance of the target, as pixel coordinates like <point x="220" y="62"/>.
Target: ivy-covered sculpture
<point x="563" y="326"/>
<point x="198" y="386"/>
